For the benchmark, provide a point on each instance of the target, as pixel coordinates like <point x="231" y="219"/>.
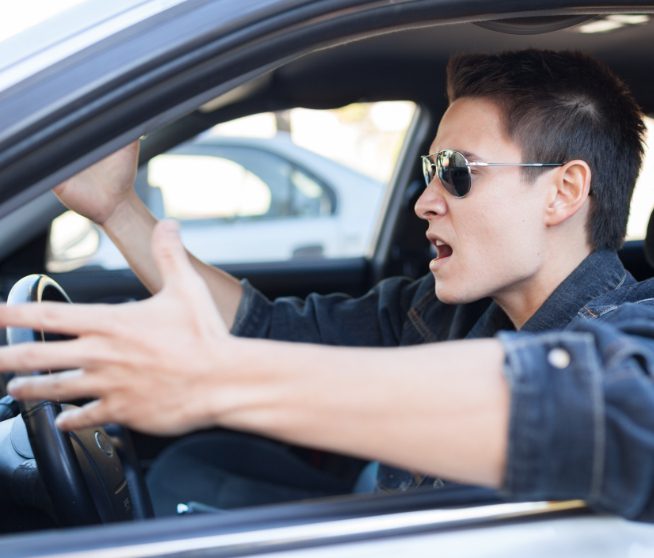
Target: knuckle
<point x="96" y="352"/>
<point x="114" y="408"/>
<point x="25" y="356"/>
<point x="116" y="322"/>
<point x="48" y="317"/>
<point x="53" y="385"/>
<point x="78" y="420"/>
<point x="89" y="415"/>
<point x="57" y="386"/>
<point x="112" y="324"/>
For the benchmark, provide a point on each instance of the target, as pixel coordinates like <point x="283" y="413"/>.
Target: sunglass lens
<point x="427" y="169"/>
<point x="454" y="172"/>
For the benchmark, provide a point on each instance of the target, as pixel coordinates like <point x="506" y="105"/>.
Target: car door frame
<point x="35" y="156"/>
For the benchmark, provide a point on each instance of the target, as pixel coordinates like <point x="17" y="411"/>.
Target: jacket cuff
<point x="556" y="432"/>
<point x="252" y="314"/>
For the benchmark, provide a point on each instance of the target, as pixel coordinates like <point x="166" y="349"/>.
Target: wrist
<point x="243" y="390"/>
<point x="123" y="213"/>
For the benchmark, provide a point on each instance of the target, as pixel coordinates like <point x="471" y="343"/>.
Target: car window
<point x="642" y="201"/>
<point x="269" y="187"/>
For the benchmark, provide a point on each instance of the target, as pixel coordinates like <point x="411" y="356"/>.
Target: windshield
<point x="37" y="33"/>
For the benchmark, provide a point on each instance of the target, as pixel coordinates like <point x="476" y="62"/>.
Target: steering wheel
<point x="82" y="471"/>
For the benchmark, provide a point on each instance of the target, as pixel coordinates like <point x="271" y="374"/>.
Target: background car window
<point x="194" y="187"/>
<point x="269" y="187"/>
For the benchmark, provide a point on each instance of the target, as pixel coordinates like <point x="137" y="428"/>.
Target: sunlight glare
<point x="28" y="13"/>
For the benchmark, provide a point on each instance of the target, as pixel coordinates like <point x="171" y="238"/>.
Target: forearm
<point x="432" y="409"/>
<point x="130" y="228"/>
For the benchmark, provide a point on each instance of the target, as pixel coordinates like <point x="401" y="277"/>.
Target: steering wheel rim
<point x="59" y="464"/>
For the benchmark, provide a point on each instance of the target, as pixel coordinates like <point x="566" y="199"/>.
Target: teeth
<point x="443" y="249"/>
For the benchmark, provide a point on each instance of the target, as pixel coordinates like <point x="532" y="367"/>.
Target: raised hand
<point x="99" y="190"/>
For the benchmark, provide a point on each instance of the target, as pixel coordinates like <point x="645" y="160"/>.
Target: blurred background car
<point x="240" y="198"/>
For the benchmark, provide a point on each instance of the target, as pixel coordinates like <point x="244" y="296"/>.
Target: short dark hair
<point x="560" y="106"/>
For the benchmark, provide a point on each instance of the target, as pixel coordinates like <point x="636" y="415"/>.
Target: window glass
<point x="76" y="237"/>
<point x="309" y="199"/>
<point x="642" y="201"/>
<point x="268" y="187"/>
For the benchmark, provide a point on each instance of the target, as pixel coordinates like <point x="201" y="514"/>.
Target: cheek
<point x="502" y="242"/>
<point x="481" y="236"/>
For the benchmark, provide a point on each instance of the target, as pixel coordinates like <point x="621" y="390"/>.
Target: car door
<point x="149" y="77"/>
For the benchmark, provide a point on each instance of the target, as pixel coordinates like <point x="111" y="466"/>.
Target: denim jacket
<point x="579" y="372"/>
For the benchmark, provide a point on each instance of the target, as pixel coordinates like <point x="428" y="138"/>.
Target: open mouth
<point x="442" y="250"/>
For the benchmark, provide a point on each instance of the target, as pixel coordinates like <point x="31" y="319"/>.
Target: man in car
<point x="540" y="384"/>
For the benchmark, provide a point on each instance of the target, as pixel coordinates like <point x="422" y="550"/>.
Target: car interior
<point x="403" y="65"/>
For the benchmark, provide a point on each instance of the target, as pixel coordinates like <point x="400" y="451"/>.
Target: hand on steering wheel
<point x="80" y="470"/>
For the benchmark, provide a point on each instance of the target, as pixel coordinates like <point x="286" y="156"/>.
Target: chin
<point x="454" y="296"/>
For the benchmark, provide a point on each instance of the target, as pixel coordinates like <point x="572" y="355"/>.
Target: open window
<point x="271" y="187"/>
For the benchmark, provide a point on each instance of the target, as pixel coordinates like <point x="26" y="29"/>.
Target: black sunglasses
<point x="453" y="170"/>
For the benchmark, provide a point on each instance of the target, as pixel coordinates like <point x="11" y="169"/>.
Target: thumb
<point x="168" y="252"/>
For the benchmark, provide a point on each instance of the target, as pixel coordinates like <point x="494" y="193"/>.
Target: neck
<point x="521" y="301"/>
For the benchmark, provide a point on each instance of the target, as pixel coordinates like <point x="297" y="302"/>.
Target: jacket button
<point x="559" y="358"/>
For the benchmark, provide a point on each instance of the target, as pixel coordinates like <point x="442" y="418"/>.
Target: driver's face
<point x="496" y="232"/>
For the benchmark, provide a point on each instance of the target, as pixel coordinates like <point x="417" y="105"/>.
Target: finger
<point x="58" y="317"/>
<point x="169" y="253"/>
<point x="54" y="355"/>
<point x="94" y="413"/>
<point x="60" y="386"/>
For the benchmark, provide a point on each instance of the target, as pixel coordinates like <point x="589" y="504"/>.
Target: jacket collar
<point x="600" y="272"/>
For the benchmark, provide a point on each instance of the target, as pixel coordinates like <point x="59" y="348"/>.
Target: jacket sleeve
<point x="374" y="319"/>
<point x="582" y="412"/>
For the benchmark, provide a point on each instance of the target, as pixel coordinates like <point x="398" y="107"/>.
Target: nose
<point x="431" y="202"/>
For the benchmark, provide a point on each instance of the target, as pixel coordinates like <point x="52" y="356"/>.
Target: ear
<point x="570" y="190"/>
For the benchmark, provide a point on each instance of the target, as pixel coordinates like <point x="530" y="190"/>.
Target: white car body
<point x="347" y="232"/>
